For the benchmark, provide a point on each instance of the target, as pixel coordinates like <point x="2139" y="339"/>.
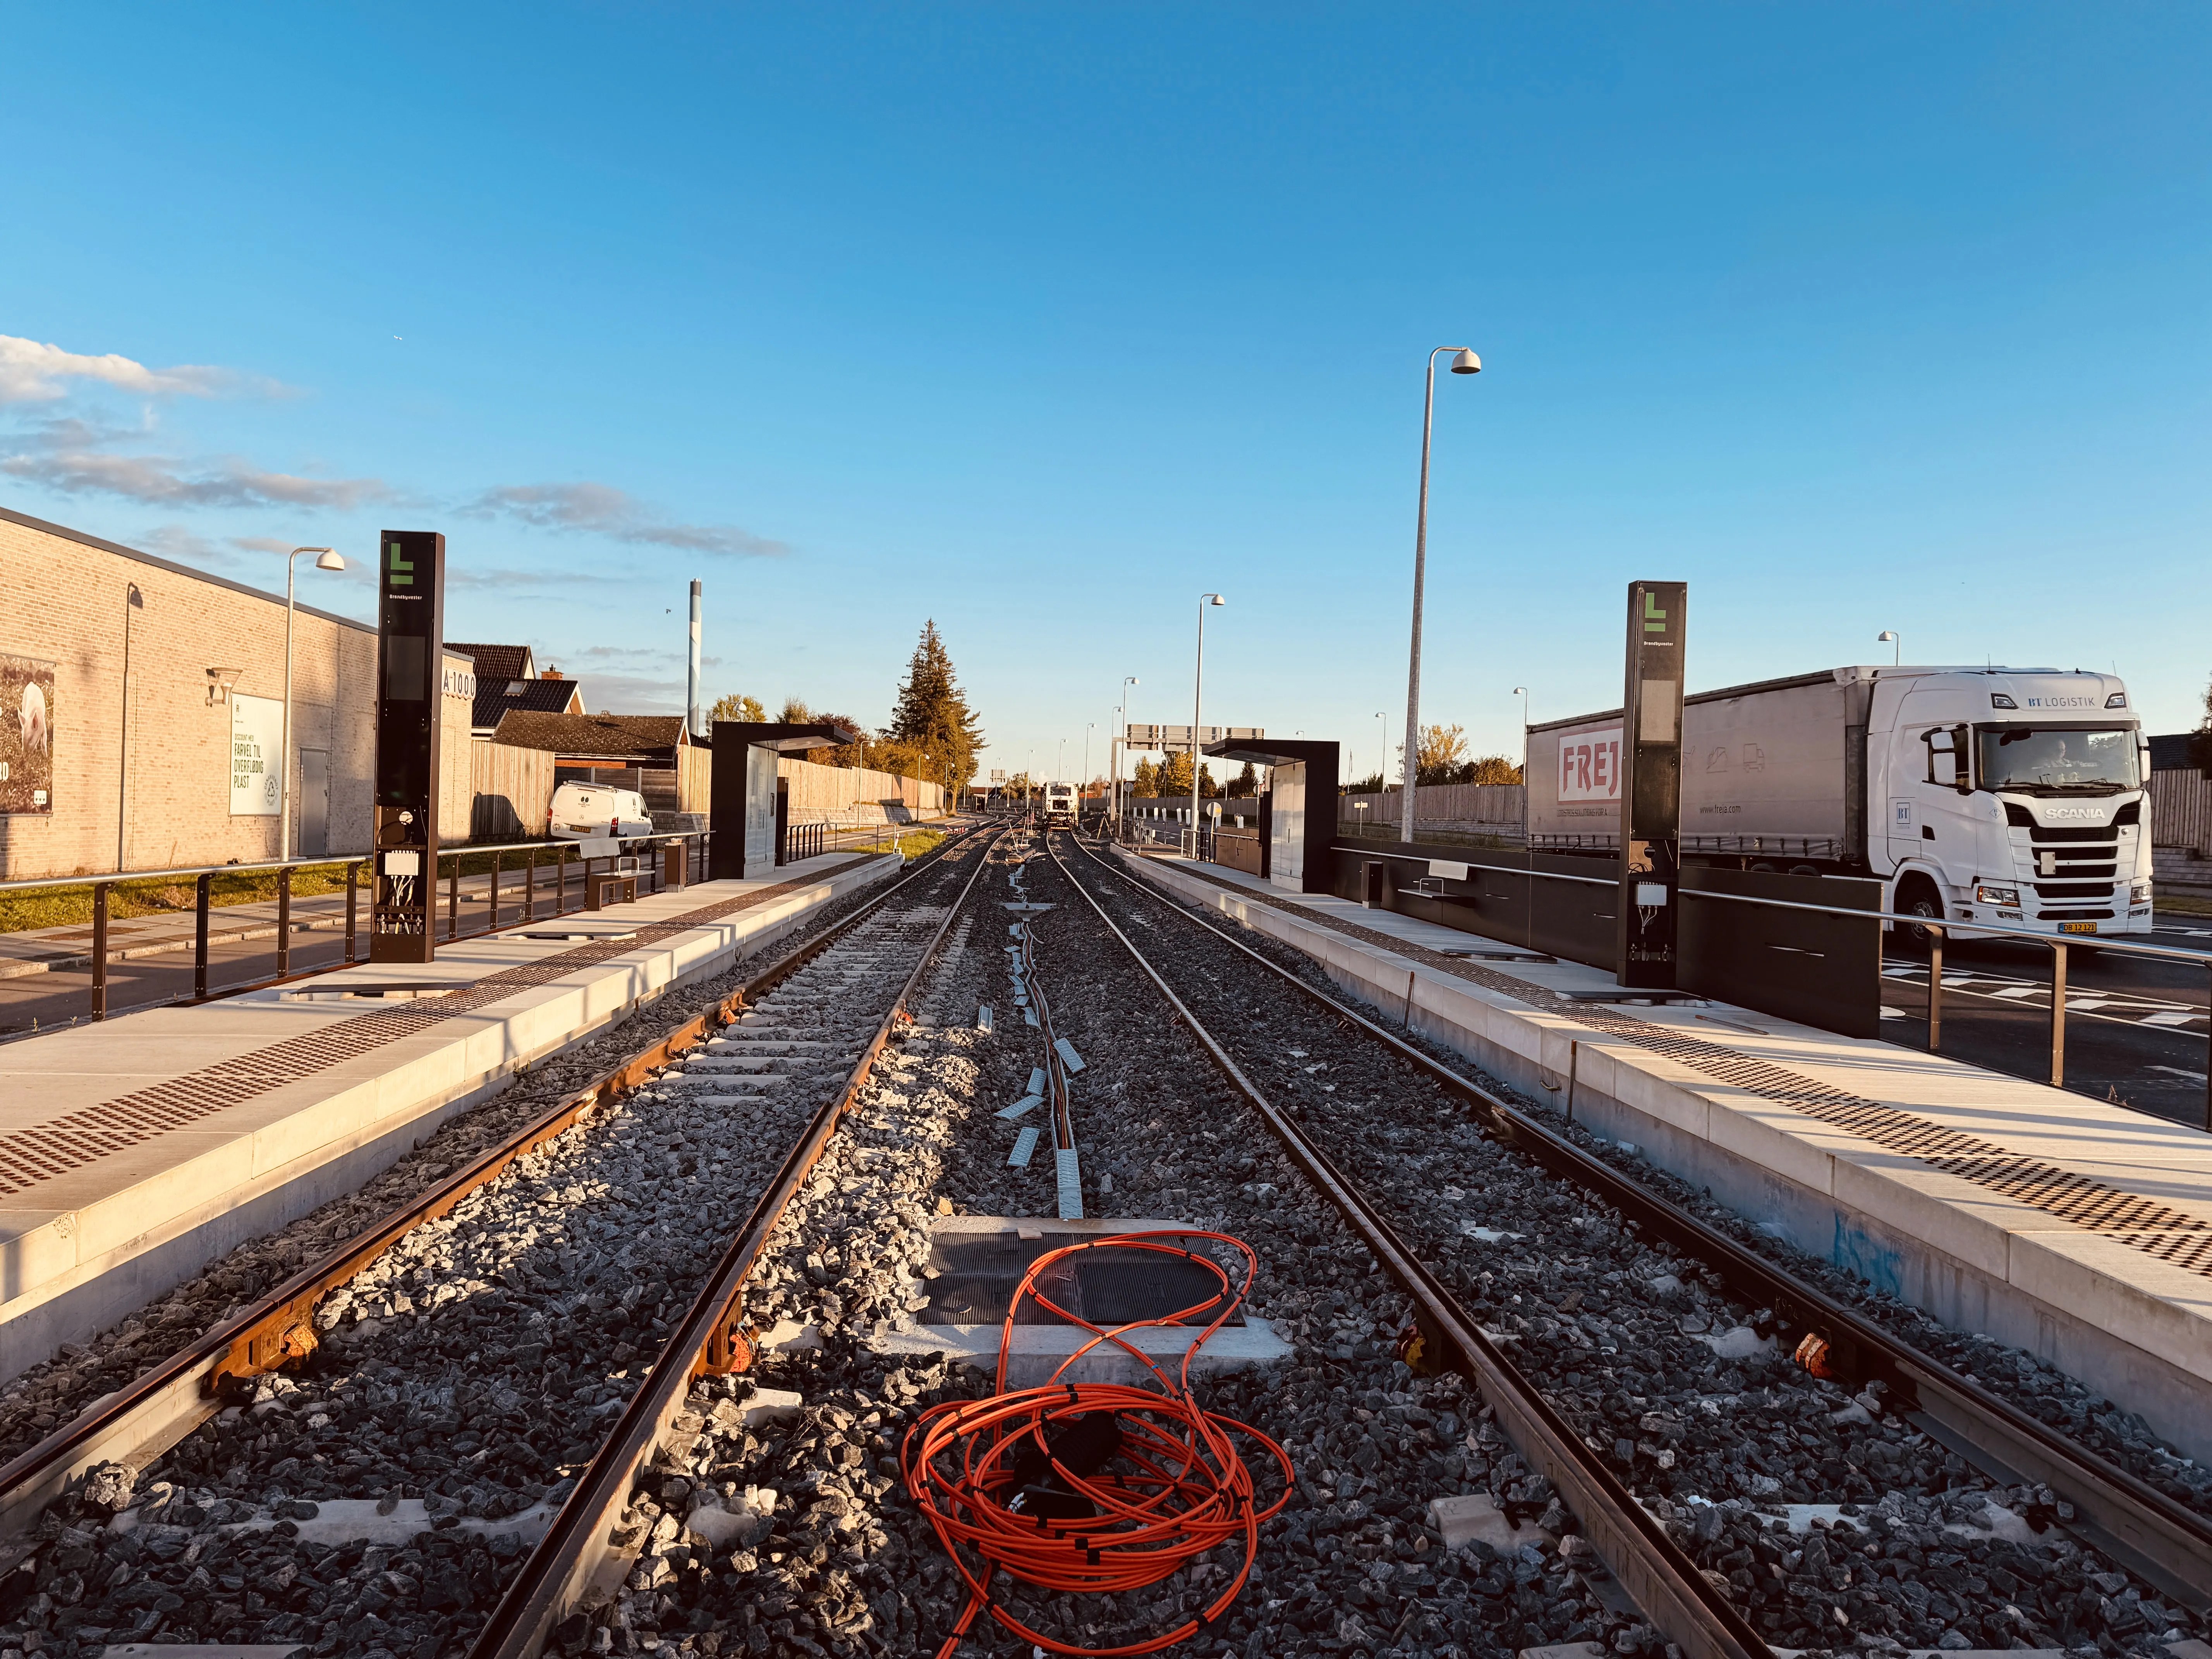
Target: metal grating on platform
<point x="29" y="1156"/>
<point x="2126" y="1218"/>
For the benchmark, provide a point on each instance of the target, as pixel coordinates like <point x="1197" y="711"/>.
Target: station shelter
<point x="1298" y="812"/>
<point x="748" y="802"/>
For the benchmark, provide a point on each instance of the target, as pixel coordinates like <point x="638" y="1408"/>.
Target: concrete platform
<point x="2080" y="1232"/>
<point x="134" y="1152"/>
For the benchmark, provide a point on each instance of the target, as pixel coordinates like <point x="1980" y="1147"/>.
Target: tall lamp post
<point x="1890" y="638"/>
<point x="1121" y="737"/>
<point x="133" y="600"/>
<point x="1464" y="362"/>
<point x="1197" y="686"/>
<point x="325" y="559"/>
<point x="1083" y="782"/>
<point x="1383" y="754"/>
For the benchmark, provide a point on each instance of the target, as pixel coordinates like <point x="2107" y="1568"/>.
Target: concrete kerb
<point x="2120" y="1321"/>
<point x="67" y="1273"/>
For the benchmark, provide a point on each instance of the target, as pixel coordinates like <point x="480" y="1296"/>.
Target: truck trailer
<point x="2009" y="795"/>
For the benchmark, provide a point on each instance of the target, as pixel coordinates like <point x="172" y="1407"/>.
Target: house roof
<point x="501" y="662"/>
<point x="497" y="698"/>
<point x="2170" y="753"/>
<point x="645" y="737"/>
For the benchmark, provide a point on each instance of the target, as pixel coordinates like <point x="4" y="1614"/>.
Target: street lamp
<point x="1888" y="637"/>
<point x="1197" y="686"/>
<point x="1382" y="753"/>
<point x="1463" y="362"/>
<point x="1121" y="737"/>
<point x="133" y="600"/>
<point x="1083" y="782"/>
<point x="325" y="559"/>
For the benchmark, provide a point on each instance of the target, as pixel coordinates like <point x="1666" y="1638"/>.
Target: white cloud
<point x="33" y="372"/>
<point x="174" y="541"/>
<point x="601" y="509"/>
<point x="166" y="481"/>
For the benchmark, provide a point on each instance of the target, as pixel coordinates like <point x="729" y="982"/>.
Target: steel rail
<point x="2117" y="1513"/>
<point x="1661" y="1580"/>
<point x="151" y="1413"/>
<point x="576" y="1546"/>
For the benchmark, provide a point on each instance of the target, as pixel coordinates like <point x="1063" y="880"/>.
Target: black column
<point x="1651" y="785"/>
<point x="410" y="644"/>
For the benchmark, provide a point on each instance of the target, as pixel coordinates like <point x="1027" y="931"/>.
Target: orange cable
<point x="1190" y="1491"/>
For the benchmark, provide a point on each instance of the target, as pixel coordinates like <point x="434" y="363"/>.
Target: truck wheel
<point x="1804" y="870"/>
<point x="1918" y="897"/>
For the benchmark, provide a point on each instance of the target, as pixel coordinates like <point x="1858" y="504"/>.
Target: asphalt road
<point x="2136" y="1028"/>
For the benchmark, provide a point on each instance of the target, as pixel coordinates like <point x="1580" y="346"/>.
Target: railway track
<point x="1476" y="1309"/>
<point x="417" y="1427"/>
<point x="1639" y="1361"/>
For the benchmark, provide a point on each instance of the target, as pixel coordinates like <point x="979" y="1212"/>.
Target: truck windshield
<point x="2042" y="761"/>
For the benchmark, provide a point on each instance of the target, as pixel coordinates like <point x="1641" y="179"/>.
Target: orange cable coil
<point x="974" y="1467"/>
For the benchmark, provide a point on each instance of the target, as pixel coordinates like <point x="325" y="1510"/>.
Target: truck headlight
<point x="1985" y="894"/>
<point x="2139" y="893"/>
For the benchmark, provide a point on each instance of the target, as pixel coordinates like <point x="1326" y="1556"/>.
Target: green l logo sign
<point x="400" y="565"/>
<point x="1654" y="619"/>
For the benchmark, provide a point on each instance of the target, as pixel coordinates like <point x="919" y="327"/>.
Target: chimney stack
<point x="691" y="682"/>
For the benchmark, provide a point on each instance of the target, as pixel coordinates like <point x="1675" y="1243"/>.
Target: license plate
<point x="2077" y="926"/>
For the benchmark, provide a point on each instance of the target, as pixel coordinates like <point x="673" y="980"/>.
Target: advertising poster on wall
<point x="27" y="735"/>
<point x="257" y="744"/>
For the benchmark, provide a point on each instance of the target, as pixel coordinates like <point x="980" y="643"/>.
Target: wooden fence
<point x="513" y="790"/>
<point x="1500" y="804"/>
<point x="2181" y="810"/>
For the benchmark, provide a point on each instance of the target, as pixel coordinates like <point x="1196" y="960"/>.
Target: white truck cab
<point x="2011" y="795"/>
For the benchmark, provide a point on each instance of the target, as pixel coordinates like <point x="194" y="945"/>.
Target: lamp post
<point x="1889" y="637"/>
<point x="1464" y="362"/>
<point x="133" y="600"/>
<point x="1121" y="737"/>
<point x="1382" y="752"/>
<point x="1083" y="782"/>
<point x="325" y="560"/>
<point x="1197" y="686"/>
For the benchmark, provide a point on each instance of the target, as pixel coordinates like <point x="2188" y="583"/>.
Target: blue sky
<point x="1042" y="320"/>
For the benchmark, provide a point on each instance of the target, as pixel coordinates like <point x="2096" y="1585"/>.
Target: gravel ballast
<point x="472" y="1371"/>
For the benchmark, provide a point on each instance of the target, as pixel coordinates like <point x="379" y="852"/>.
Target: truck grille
<point x="2074" y="890"/>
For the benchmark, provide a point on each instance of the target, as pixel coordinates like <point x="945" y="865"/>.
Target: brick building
<point x="173" y="763"/>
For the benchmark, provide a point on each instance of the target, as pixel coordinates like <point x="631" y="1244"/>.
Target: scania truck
<point x="2008" y="795"/>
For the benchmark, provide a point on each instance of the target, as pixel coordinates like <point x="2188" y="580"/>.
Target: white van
<point x="590" y="811"/>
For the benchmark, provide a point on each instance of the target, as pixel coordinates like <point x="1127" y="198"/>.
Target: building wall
<point x="164" y="781"/>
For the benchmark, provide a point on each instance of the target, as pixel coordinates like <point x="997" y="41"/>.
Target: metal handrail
<point x="1502" y="869"/>
<point x="1939" y="927"/>
<point x="111" y="878"/>
<point x="353" y="863"/>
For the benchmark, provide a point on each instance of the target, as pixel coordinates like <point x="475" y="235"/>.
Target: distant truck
<point x="2011" y="795"/>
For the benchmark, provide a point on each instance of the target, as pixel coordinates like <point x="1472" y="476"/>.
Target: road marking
<point x="2194" y="1077"/>
<point x="2017" y="991"/>
<point x="1888" y="1012"/>
<point x="2171" y="1019"/>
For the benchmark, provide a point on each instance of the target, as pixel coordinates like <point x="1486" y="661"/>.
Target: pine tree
<point x="932" y="713"/>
